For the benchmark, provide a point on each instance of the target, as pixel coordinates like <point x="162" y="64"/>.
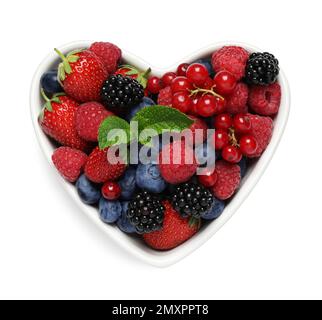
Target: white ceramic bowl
<point x="131" y="244"/>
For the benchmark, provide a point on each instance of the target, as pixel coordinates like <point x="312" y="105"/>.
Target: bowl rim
<point x="143" y="252"/>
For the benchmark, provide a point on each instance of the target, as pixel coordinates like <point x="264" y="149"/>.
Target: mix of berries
<point x="233" y="91"/>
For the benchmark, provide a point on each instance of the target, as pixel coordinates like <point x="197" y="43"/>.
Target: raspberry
<point x="237" y="101"/>
<point x="69" y="162"/>
<point x="232" y="59"/>
<point x="89" y="117"/>
<point x="99" y="170"/>
<point x="228" y="180"/>
<point x="109" y="53"/>
<point x="265" y="100"/>
<point x="165" y="97"/>
<point x="177" y="167"/>
<point x="262" y="129"/>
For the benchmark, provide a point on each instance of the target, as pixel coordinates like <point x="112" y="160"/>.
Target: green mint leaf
<point x="113" y="131"/>
<point x="161" y="119"/>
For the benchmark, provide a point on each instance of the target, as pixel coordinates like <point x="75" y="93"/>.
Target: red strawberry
<point x="165" y="97"/>
<point x="228" y="179"/>
<point x="99" y="170"/>
<point x="132" y="72"/>
<point x="265" y="100"/>
<point x="69" y="162"/>
<point x="262" y="129"/>
<point x="82" y="74"/>
<point x="109" y="53"/>
<point x="177" y="162"/>
<point x="175" y="231"/>
<point x="89" y="117"/>
<point x="236" y="102"/>
<point x="57" y="119"/>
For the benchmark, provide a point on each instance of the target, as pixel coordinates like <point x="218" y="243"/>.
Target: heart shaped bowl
<point x="134" y="245"/>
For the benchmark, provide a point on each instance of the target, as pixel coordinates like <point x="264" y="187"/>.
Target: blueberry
<point x="123" y="222"/>
<point x="87" y="190"/>
<point x="49" y="82"/>
<point x="208" y="65"/>
<point x="243" y="167"/>
<point x="145" y="103"/>
<point x="216" y="210"/>
<point x="148" y="177"/>
<point x="128" y="184"/>
<point x="205" y="152"/>
<point x="110" y="211"/>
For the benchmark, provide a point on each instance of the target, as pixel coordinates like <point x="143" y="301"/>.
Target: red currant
<point x="248" y="145"/>
<point x="111" y="190"/>
<point x="225" y="82"/>
<point x="220" y="105"/>
<point x="181" y="101"/>
<point x="206" y="106"/>
<point x="231" y="154"/>
<point x="242" y="123"/>
<point x="220" y="139"/>
<point x="182" y="69"/>
<point x="154" y="85"/>
<point x="208" y="84"/>
<point x="194" y="106"/>
<point x="167" y="78"/>
<point x="180" y="84"/>
<point x="223" y="121"/>
<point x="208" y="177"/>
<point x="197" y="73"/>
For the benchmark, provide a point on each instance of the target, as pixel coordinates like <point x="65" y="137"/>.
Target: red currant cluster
<point x="233" y="137"/>
<point x="193" y="91"/>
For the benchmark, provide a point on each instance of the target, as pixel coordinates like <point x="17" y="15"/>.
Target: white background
<point x="272" y="246"/>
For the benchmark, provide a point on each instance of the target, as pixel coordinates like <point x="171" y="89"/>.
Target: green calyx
<point x="65" y="67"/>
<point x="48" y="102"/>
<point x="142" y="77"/>
<point x="194" y="223"/>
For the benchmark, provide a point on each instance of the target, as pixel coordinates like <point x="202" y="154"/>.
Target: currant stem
<point x="205" y="91"/>
<point x="232" y="137"/>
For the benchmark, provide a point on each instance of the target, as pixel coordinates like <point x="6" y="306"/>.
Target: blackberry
<point x="261" y="69"/>
<point x="192" y="199"/>
<point x="119" y="92"/>
<point x="146" y="212"/>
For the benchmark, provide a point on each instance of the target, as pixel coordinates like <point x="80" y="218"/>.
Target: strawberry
<point x="82" y="74"/>
<point x="69" y="162"/>
<point x="99" y="170"/>
<point x="175" y="231"/>
<point x="132" y="72"/>
<point x="109" y="53"/>
<point x="228" y="179"/>
<point x="57" y="119"/>
<point x="262" y="130"/>
<point x="89" y="117"/>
